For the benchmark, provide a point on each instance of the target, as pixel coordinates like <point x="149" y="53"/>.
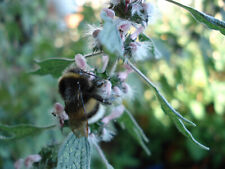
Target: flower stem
<point x="92" y="54"/>
<point x="141" y="74"/>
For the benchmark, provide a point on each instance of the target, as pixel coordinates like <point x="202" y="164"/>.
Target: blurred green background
<point x="190" y="73"/>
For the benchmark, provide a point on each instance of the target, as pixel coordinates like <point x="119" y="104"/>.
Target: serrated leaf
<point x="176" y="117"/>
<point x="74" y="153"/>
<point x="128" y="121"/>
<point x="52" y="66"/>
<point x="9" y="133"/>
<point x="110" y="39"/>
<point x="209" y="21"/>
<point x="153" y="51"/>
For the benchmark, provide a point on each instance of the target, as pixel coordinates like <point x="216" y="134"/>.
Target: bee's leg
<point x="101" y="99"/>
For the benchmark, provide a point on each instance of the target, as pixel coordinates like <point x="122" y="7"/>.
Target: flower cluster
<point x="131" y="18"/>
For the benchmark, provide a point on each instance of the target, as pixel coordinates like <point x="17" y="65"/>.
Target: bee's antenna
<point x="81" y="97"/>
<point x="89" y="74"/>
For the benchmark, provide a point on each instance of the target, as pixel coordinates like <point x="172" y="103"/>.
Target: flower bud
<point x="109" y="12"/>
<point x="32" y="159"/>
<point x="81" y="61"/>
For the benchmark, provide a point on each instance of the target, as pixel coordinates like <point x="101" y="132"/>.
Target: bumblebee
<point x="79" y="92"/>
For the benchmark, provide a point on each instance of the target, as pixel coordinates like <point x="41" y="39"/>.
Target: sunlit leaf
<point x="74" y="153"/>
<point x="128" y="121"/>
<point x="52" y="66"/>
<point x="110" y="39"/>
<point x="170" y="111"/>
<point x="8" y="133"/>
<point x="209" y="21"/>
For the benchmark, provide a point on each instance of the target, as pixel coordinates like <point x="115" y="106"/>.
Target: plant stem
<point x="92" y="54"/>
<point x="141" y="74"/>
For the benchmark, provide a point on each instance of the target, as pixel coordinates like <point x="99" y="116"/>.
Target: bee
<point x="79" y="90"/>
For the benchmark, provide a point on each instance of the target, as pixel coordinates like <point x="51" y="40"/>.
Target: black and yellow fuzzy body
<point x="80" y="97"/>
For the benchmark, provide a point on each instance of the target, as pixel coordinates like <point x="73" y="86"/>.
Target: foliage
<point x="190" y="77"/>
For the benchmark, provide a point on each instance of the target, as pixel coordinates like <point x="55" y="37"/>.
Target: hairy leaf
<point x="153" y="51"/>
<point x="110" y="39"/>
<point x="74" y="153"/>
<point x="8" y="133"/>
<point x="128" y="121"/>
<point x="209" y="21"/>
<point x="52" y="66"/>
<point x="170" y="111"/>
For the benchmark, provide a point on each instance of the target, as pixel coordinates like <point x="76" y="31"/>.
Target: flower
<point x="105" y="90"/>
<point x="109" y="12"/>
<point x="91" y="32"/>
<point x="137" y="33"/>
<point x="27" y="162"/>
<point x="60" y="113"/>
<point x="32" y="159"/>
<point x="123" y="27"/>
<point x="81" y="62"/>
<point x="116" y="113"/>
<point x="140" y="50"/>
<point x="116" y="91"/>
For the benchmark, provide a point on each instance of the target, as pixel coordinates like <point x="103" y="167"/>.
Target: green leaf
<point x="153" y="51"/>
<point x="110" y="39"/>
<point x="170" y="111"/>
<point x="74" y="153"/>
<point x="8" y="133"/>
<point x="209" y="21"/>
<point x="128" y="121"/>
<point x="177" y="119"/>
<point x="52" y="66"/>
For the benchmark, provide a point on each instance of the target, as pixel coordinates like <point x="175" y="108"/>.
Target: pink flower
<point x="81" y="62"/>
<point x="123" y="27"/>
<point x="128" y="68"/>
<point x="117" y="92"/>
<point x="105" y="90"/>
<point x="137" y="33"/>
<point x="95" y="33"/>
<point x="127" y="90"/>
<point x="140" y="50"/>
<point x="19" y="163"/>
<point x="32" y="159"/>
<point x="27" y="162"/>
<point x="109" y="12"/>
<point x="122" y="75"/>
<point x="60" y="113"/>
<point x="116" y="113"/>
